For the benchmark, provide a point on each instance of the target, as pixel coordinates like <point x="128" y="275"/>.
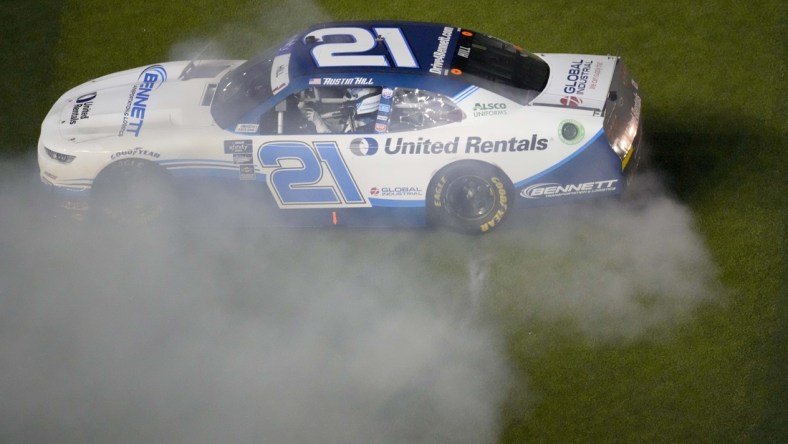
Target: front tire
<point x="132" y="192"/>
<point x="469" y="196"/>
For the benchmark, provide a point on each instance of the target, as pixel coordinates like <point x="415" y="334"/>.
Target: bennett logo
<point x="87" y="97"/>
<point x="557" y="190"/>
<point x="150" y="79"/>
<point x="153" y="76"/>
<point x="364" y="146"/>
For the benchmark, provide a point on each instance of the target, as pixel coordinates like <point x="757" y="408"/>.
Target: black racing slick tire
<point x="469" y="196"/>
<point x="132" y="192"/>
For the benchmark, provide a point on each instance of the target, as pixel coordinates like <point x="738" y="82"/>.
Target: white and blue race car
<point x="352" y="123"/>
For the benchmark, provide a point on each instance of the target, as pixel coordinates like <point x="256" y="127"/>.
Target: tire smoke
<point x="233" y="332"/>
<point x="613" y="270"/>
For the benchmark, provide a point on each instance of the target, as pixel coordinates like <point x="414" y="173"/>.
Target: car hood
<point x="577" y="80"/>
<point x="141" y="100"/>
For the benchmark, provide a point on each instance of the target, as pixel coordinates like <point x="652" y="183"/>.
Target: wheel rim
<point x="133" y="208"/>
<point x="134" y="197"/>
<point x="470" y="197"/>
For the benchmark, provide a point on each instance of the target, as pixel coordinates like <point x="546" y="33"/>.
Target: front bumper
<point x="68" y="203"/>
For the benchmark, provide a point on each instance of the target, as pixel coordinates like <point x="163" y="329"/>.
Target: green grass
<point x="712" y="74"/>
<point x="29" y="36"/>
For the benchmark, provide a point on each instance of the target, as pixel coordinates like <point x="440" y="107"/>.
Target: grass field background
<point x="712" y="75"/>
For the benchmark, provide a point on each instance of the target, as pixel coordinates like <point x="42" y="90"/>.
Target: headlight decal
<point x="59" y="157"/>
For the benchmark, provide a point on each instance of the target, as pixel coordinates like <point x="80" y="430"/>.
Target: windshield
<point x="500" y="67"/>
<point x="242" y="89"/>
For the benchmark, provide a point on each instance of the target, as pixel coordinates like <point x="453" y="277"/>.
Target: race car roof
<point x="382" y="46"/>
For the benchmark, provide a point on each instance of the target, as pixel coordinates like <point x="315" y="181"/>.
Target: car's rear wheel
<point x="469" y="196"/>
<point x="132" y="192"/>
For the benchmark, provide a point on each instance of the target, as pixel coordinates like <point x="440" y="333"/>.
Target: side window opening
<point x="321" y="110"/>
<point x="284" y="118"/>
<point x="416" y="109"/>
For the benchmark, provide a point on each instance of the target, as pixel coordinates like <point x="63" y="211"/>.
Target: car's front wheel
<point x="469" y="196"/>
<point x="132" y="192"/>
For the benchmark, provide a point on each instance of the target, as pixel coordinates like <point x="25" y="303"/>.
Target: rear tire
<point x="132" y="192"/>
<point x="469" y="196"/>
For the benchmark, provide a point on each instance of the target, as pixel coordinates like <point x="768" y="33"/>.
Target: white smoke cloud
<point x="614" y="270"/>
<point x="239" y="333"/>
<point x="231" y="331"/>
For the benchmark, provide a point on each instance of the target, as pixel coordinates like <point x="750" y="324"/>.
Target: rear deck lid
<point x="577" y="81"/>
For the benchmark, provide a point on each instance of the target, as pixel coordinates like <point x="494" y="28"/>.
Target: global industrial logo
<point x="398" y="191"/>
<point x="578" y="76"/>
<point x="572" y="101"/>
